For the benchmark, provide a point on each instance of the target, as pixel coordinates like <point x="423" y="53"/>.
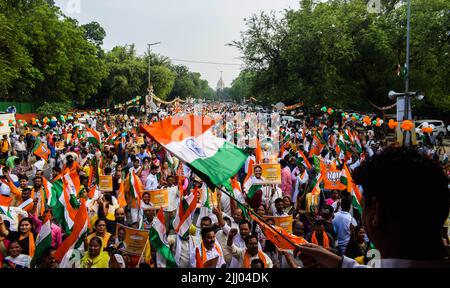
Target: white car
<point x="439" y="129"/>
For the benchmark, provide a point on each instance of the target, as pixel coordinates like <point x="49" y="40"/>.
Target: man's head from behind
<point x="402" y="190"/>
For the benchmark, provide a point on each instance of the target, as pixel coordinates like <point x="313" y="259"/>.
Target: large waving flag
<point x="277" y="239"/>
<point x="93" y="136"/>
<point x="158" y="240"/>
<point x="64" y="253"/>
<point x="183" y="219"/>
<point x="41" y="150"/>
<point x="191" y="140"/>
<point x="62" y="208"/>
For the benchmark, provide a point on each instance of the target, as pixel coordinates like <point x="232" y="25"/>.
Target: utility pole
<point x="149" y="98"/>
<point x="408" y="112"/>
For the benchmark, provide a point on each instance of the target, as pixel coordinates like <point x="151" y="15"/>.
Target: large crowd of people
<point x="351" y="197"/>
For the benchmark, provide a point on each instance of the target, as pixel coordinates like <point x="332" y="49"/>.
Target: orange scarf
<point x="326" y="241"/>
<point x="247" y="261"/>
<point x="204" y="252"/>
<point x="31" y="246"/>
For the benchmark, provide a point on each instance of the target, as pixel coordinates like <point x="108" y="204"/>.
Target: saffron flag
<point x="41" y="150"/>
<point x="276" y="238"/>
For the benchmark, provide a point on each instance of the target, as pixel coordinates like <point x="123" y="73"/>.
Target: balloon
<point x="392" y="124"/>
<point x="381" y="121"/>
<point x="407" y="125"/>
<point x="1" y="123"/>
<point x="374" y="122"/>
<point x="330" y="111"/>
<point x="323" y="109"/>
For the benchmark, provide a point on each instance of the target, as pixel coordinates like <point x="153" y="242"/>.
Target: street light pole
<point x="408" y="112"/>
<point x="150" y="88"/>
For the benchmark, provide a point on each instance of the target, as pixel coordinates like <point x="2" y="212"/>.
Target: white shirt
<point x="268" y="199"/>
<point x="15" y="213"/>
<point x="38" y="166"/>
<point x="20" y="146"/>
<point x="151" y="182"/>
<point x="181" y="249"/>
<point x="301" y="179"/>
<point x="341" y="224"/>
<point x="215" y="252"/>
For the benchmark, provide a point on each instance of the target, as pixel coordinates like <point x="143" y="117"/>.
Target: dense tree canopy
<point x="48" y="57"/>
<point x="337" y="53"/>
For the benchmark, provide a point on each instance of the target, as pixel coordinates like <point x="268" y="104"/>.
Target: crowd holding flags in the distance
<point x="84" y="190"/>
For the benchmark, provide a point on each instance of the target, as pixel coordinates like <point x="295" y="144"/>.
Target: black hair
<point x="48" y="250"/>
<point x="278" y="200"/>
<point x="153" y="167"/>
<point x="400" y="178"/>
<point x="283" y="163"/>
<point x="25" y="177"/>
<point x="108" y="170"/>
<point x="26" y="189"/>
<point x="346" y="203"/>
<point x="17" y="161"/>
<point x="319" y="222"/>
<point x="206" y="218"/>
<point x="98" y="221"/>
<point x="257" y="263"/>
<point x="207" y="229"/>
<point x="251" y="236"/>
<point x="245" y="221"/>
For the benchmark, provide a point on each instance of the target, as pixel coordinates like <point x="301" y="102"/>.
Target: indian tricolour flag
<point x="252" y="185"/>
<point x="93" y="136"/>
<point x="346" y="179"/>
<point x="158" y="240"/>
<point x="303" y="160"/>
<point x="62" y="209"/>
<point x="44" y="238"/>
<point x="191" y="140"/>
<point x="67" y="253"/>
<point x="135" y="185"/>
<point x="183" y="219"/>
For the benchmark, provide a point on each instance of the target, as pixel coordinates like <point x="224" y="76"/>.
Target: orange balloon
<point x="407" y="125"/>
<point x="392" y="124"/>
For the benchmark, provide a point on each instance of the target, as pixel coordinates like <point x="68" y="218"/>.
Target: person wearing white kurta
<point x="208" y="249"/>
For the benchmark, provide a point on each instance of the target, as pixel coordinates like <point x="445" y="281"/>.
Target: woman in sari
<point x="100" y="232"/>
<point x="288" y="205"/>
<point x="95" y="257"/>
<point x="15" y="257"/>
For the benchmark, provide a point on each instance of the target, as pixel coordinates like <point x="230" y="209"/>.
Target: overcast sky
<point x="188" y="29"/>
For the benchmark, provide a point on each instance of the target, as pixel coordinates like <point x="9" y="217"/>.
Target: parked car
<point x="439" y="130"/>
